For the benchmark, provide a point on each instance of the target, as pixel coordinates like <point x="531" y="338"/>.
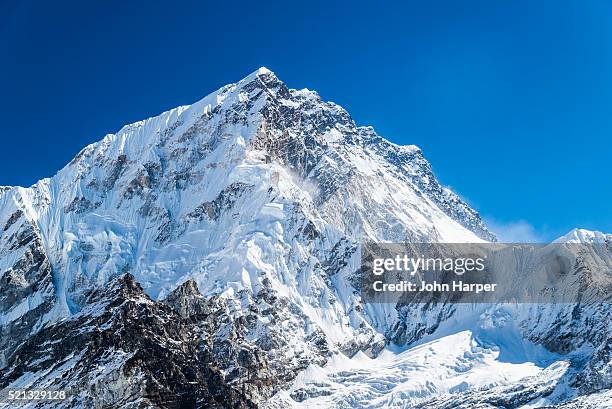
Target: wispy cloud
<point x="519" y="231"/>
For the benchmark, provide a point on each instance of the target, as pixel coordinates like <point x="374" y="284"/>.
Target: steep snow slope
<point x="448" y="366"/>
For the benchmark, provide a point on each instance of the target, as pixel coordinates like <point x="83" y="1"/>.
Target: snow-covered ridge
<point x="585" y="236"/>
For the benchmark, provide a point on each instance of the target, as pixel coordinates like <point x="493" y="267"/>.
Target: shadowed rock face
<point x="26" y="289"/>
<point x="125" y="350"/>
<point x="254" y="365"/>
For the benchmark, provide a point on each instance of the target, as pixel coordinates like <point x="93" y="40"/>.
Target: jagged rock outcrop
<point x="123" y="350"/>
<point x="27" y="292"/>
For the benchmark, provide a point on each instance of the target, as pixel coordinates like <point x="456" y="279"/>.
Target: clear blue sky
<point x="511" y="101"/>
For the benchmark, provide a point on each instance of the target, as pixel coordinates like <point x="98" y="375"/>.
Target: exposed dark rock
<point x="28" y="282"/>
<point x="597" y="375"/>
<point x="223" y="202"/>
<point x="125" y="350"/>
<point x="13" y="218"/>
<point x="80" y="205"/>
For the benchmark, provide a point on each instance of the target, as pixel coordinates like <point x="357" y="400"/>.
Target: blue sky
<point x="511" y="101"/>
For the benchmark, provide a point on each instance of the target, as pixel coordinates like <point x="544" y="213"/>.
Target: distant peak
<point x="583" y="236"/>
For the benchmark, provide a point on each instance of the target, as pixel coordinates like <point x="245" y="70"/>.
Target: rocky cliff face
<point x="124" y="350"/>
<point x="27" y="291"/>
<point x="240" y="217"/>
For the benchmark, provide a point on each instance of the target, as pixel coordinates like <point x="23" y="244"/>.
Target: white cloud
<point x="519" y="231"/>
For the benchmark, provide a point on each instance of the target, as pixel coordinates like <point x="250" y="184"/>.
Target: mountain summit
<point x="241" y="217"/>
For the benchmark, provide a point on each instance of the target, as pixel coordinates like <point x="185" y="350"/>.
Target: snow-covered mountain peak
<point x="255" y="189"/>
<point x="585" y="236"/>
<point x="195" y="176"/>
<point x="241" y="218"/>
<point x="255" y="193"/>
